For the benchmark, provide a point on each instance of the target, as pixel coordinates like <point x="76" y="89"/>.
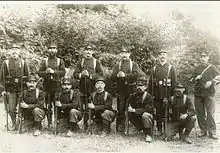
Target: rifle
<point x="20" y="114"/>
<point x="165" y="115"/>
<point x="126" y="118"/>
<point x="5" y="100"/>
<point x="154" y="110"/>
<point x="56" y="109"/>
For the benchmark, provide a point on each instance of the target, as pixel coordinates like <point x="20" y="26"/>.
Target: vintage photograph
<point x="107" y="76"/>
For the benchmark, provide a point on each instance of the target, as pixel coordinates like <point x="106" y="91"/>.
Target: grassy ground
<point x="80" y="142"/>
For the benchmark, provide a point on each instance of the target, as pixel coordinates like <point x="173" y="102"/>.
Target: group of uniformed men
<point x="143" y="99"/>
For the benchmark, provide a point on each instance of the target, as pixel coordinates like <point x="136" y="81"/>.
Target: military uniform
<point x="51" y="82"/>
<point x="71" y="107"/>
<point x="35" y="99"/>
<point x="142" y="118"/>
<point x="179" y="105"/>
<point x="125" y="87"/>
<point x="204" y="101"/>
<point x="94" y="68"/>
<point x="103" y="114"/>
<point x="161" y="76"/>
<point x="12" y="71"/>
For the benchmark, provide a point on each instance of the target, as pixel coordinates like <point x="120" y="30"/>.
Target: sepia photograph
<point x="109" y="76"/>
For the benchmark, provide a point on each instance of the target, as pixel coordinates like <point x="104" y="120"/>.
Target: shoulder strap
<point x="82" y="62"/>
<point x="131" y="65"/>
<point x="7" y="65"/>
<point x="144" y="96"/>
<point x="46" y="62"/>
<point x="205" y="69"/>
<point x="169" y="68"/>
<point x="58" y="62"/>
<point x="105" y="96"/>
<point x="154" y="69"/>
<point x="172" y="99"/>
<point x="93" y="95"/>
<point x="71" y="94"/>
<point x="37" y="93"/>
<point x="184" y="99"/>
<point x="94" y="63"/>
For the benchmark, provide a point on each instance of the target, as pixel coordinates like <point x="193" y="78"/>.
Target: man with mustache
<point x="86" y="72"/>
<point x="182" y="112"/>
<point x="204" y="79"/>
<point x="51" y="70"/>
<point x="161" y="86"/>
<point x="140" y="108"/>
<point x="125" y="74"/>
<point x="69" y="106"/>
<point x="101" y="105"/>
<point x="33" y="105"/>
<point x="12" y="71"/>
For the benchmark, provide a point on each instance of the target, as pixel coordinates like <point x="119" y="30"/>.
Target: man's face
<point x="31" y="84"/>
<point x="15" y="53"/>
<point x="162" y="57"/>
<point x="141" y="88"/>
<point x="88" y="53"/>
<point x="66" y="87"/>
<point x="125" y="55"/>
<point x="179" y="91"/>
<point x="52" y="51"/>
<point x="204" y="59"/>
<point x="100" y="85"/>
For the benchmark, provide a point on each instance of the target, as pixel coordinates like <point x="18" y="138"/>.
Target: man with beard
<point x="69" y="106"/>
<point x="204" y="79"/>
<point x="87" y="70"/>
<point x="12" y="71"/>
<point x="51" y="70"/>
<point x="33" y="105"/>
<point x="101" y="105"/>
<point x="182" y="112"/>
<point x="161" y="86"/>
<point x="141" y="108"/>
<point x="125" y="74"/>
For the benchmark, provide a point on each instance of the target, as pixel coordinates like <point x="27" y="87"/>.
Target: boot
<point x="49" y="119"/>
<point x="180" y="133"/>
<point x="13" y="120"/>
<point x="159" y="129"/>
<point x="186" y="138"/>
<point x="37" y="129"/>
<point x="73" y="127"/>
<point x="106" y="126"/>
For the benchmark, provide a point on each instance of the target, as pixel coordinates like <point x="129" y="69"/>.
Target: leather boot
<point x="13" y="120"/>
<point x="106" y="126"/>
<point x="186" y="138"/>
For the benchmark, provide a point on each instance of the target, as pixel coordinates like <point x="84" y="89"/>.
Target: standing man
<point x="204" y="91"/>
<point x="87" y="70"/>
<point x="161" y="86"/>
<point x="69" y="106"/>
<point x="140" y="109"/>
<point x="101" y="105"/>
<point x="33" y="105"/>
<point x="182" y="112"/>
<point x="125" y="74"/>
<point x="12" y="71"/>
<point x="51" y="70"/>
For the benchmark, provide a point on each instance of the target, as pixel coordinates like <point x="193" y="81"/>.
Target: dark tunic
<point x="178" y="107"/>
<point x="159" y="81"/>
<point x="50" y="83"/>
<point x="209" y="75"/>
<point x="100" y="104"/>
<point x="136" y="101"/>
<point x="12" y="72"/>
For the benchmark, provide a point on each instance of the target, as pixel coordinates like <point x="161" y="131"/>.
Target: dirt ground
<point x="11" y="142"/>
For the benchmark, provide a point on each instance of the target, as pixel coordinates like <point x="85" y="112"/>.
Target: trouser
<point x="50" y="101"/>
<point x="142" y="122"/>
<point x="36" y="115"/>
<point x="205" y="109"/>
<point x="103" y="120"/>
<point x="187" y="124"/>
<point x="12" y="106"/>
<point x="160" y="113"/>
<point x="120" y="120"/>
<point x="73" y="116"/>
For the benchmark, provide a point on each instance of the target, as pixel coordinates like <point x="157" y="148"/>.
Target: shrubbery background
<point x="108" y="28"/>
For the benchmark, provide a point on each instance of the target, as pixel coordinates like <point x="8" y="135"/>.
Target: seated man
<point x="140" y="108"/>
<point x="101" y="105"/>
<point x="182" y="112"/>
<point x="33" y="105"/>
<point x="68" y="105"/>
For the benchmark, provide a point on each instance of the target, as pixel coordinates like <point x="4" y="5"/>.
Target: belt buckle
<point x="160" y="82"/>
<point x="16" y="80"/>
